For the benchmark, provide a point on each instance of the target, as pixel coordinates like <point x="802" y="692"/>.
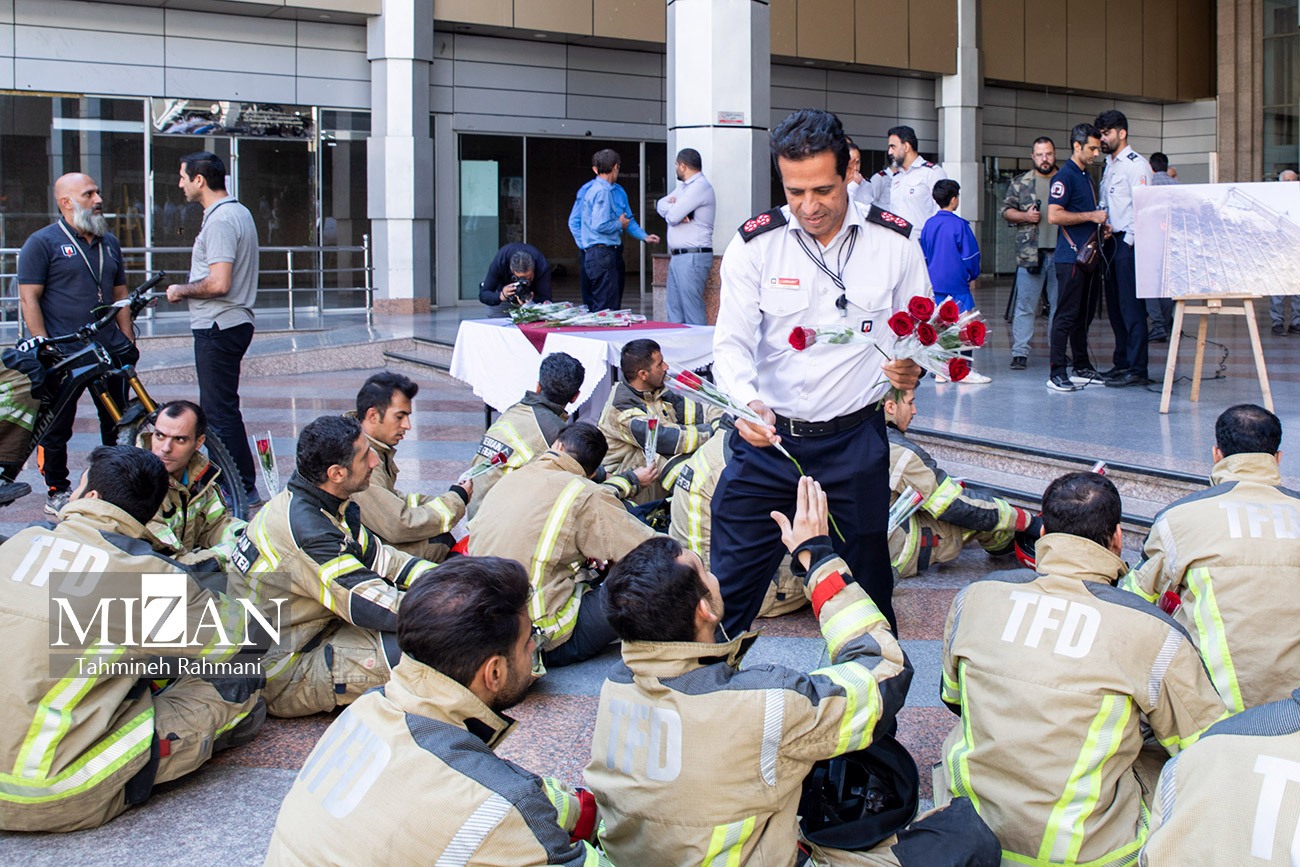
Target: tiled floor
<point x="226" y="811"/>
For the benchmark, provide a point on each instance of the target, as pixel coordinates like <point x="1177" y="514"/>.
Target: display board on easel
<point x="1213" y="249"/>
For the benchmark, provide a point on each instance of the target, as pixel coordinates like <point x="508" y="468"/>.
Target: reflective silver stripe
<point x="1171" y="549"/>
<point x="773" y="724"/>
<point x="1168" y="787"/>
<point x="475" y="830"/>
<point x="1161" y="666"/>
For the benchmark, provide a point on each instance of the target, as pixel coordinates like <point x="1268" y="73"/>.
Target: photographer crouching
<point x="519" y="273"/>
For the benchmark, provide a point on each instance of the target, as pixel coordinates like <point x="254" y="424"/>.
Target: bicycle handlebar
<point x="136" y="300"/>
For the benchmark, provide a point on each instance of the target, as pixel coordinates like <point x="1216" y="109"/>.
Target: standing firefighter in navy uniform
<point x="820" y="260"/>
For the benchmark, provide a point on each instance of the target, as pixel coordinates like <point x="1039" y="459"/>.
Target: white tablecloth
<point x="495" y="359"/>
<point x="599" y="351"/>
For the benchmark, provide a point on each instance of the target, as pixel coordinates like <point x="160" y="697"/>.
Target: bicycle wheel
<point x="230" y="481"/>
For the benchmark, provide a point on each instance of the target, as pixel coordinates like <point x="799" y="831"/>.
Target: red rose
<point x="926" y="333"/>
<point x="651" y="423"/>
<point x="901" y="324"/>
<point x="263" y="447"/>
<point x="921" y="308"/>
<point x="498" y="459"/>
<point x="688" y="379"/>
<point x="958" y="369"/>
<point x="973" y="333"/>
<point x="948" y="312"/>
<point x="801" y="338"/>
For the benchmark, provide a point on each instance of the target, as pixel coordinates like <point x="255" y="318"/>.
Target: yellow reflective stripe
<point x="1213" y="643"/>
<point x="560" y="800"/>
<point x="281" y="665"/>
<point x="689" y="413"/>
<point x="938" y="502"/>
<point x="862" y="704"/>
<point x="727" y="843"/>
<point x="413" y="501"/>
<point x="17" y="415"/>
<point x="690" y="441"/>
<point x="230" y="725"/>
<point x="695" y="505"/>
<point x="545" y="549"/>
<point x="448" y="516"/>
<point x="854" y="619"/>
<point x="341" y="565"/>
<point x="951" y="691"/>
<point x="90" y="769"/>
<point x="559" y="625"/>
<point x="1064" y="836"/>
<point x="911" y="538"/>
<point x="1130" y="583"/>
<point x="958" y="757"/>
<point x="510" y="435"/>
<point x="1124" y="856"/>
<point x="53" y="715"/>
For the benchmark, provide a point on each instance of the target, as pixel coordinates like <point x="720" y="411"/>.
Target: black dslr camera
<point x="523" y="293"/>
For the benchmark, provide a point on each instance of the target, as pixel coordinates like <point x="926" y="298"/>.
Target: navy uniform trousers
<point x="853" y="469"/>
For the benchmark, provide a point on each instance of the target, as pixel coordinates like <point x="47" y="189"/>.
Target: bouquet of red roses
<point x="935" y="336"/>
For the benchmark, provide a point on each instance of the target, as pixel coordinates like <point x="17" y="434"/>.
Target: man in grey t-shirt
<point x="221" y="292"/>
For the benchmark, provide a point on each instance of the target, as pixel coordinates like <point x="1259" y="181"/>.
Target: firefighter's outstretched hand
<point x="810" y="517"/>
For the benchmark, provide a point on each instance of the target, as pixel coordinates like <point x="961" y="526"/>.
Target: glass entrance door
<point x="176" y="222"/>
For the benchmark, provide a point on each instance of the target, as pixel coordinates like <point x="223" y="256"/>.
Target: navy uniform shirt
<point x="51" y="259"/>
<point x="1072" y="190"/>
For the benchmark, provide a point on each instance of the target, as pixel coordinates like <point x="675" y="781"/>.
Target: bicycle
<point x="91" y="367"/>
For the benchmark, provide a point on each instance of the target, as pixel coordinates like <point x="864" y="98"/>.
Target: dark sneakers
<point x="1129" y="379"/>
<point x="1019" y="362"/>
<point x="1062" y="382"/>
<point x="1086" y="376"/>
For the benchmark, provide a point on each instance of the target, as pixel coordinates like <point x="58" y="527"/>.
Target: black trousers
<point x="53" y="457"/>
<point x="1074" y="304"/>
<point x="1128" y="313"/>
<point x="591" y="633"/>
<point x="603" y="265"/>
<point x="584" y="282"/>
<point x="853" y="469"/>
<point x="218" y="355"/>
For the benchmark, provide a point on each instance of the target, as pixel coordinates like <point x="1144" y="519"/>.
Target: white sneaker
<point x="974" y="378"/>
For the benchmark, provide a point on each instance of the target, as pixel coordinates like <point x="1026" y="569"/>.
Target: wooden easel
<point x="1206" y="306"/>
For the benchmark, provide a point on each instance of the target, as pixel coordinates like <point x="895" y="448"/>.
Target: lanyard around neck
<point x="841" y="263"/>
<point x="98" y="278"/>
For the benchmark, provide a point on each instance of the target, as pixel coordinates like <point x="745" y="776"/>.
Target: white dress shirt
<point x="910" y="193"/>
<point x="693" y="198"/>
<point x="770" y="285"/>
<point x="1125" y="171"/>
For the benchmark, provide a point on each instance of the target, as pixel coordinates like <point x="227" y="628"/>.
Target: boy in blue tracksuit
<point x="951" y="252"/>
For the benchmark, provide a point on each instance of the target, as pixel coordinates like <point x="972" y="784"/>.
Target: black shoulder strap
<point x="764" y="222"/>
<point x="881" y="217"/>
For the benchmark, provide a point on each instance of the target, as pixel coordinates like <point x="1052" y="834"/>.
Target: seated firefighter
<point x="411" y="763"/>
<point x="1242" y="772"/>
<point x="951" y="514"/>
<point x="641" y="399"/>
<point x="528" y="428"/>
<point x="193" y="525"/>
<point x="691" y="484"/>
<point x="417" y="524"/>
<point x="83" y="745"/>
<point x="552" y="517"/>
<point x="1232" y="555"/>
<point x="343" y="583"/>
<point x="1057" y="678"/>
<point x="696" y="761"/>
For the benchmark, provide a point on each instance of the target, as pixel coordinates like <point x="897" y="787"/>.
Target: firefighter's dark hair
<point x="463" y="613"/>
<point x="132" y="479"/>
<point x="560" y="377"/>
<point x="1248" y="429"/>
<point x="584" y="442"/>
<point x="377" y="392"/>
<point x="637" y="355"/>
<point x="1082" y="504"/>
<point x="651" y="595"/>
<point x="326" y="442"/>
<point x="178" y="408"/>
<point x="806" y="133"/>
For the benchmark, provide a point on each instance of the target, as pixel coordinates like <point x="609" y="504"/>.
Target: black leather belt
<point x="682" y="250"/>
<point x="793" y="427"/>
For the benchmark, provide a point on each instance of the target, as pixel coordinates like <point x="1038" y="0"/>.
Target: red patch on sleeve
<point x="825" y="589"/>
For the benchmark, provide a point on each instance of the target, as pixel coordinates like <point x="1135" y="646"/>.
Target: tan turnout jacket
<point x="1054" y="676"/>
<point x="696" y="761"/>
<point x="1232" y="553"/>
<point x="193" y="524"/>
<point x="683" y="426"/>
<point x="553" y="519"/>
<point x="406" y="775"/>
<point x="519" y="434"/>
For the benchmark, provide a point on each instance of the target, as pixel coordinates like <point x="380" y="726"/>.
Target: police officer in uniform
<point x="1126" y="170"/>
<point x="913" y="180"/>
<point x="819" y="259"/>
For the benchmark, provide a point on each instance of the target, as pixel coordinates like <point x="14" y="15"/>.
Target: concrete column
<point x="399" y="160"/>
<point x="960" y="115"/>
<point x="1241" y="91"/>
<point x="720" y="101"/>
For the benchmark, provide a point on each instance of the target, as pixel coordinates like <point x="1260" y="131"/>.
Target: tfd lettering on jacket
<point x="1075" y="632"/>
<point x="1251" y="519"/>
<point x="644" y="739"/>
